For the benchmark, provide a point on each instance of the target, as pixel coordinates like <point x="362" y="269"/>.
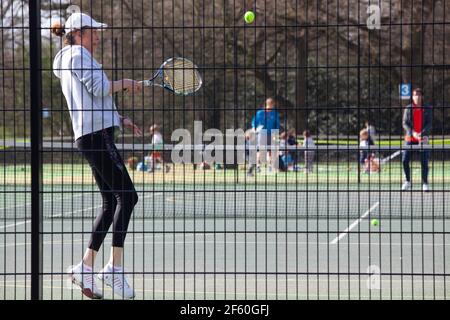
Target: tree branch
<point x="139" y="19"/>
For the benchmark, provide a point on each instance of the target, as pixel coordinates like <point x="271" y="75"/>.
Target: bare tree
<point x="317" y="58"/>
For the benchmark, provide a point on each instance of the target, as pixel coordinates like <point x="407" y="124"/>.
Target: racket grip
<point x="143" y="82"/>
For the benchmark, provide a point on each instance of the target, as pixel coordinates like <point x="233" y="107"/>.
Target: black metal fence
<point x="335" y="219"/>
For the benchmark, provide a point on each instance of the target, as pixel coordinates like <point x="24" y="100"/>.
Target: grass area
<point x="324" y="174"/>
<point x="391" y="143"/>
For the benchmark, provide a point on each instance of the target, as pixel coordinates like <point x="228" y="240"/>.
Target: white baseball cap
<point x="79" y="20"/>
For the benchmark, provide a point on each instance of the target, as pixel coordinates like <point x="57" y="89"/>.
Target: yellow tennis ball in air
<point x="249" y="16"/>
<point x="374" y="222"/>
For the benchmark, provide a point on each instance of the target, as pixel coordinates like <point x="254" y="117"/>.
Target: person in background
<point x="367" y="158"/>
<point x="364" y="142"/>
<point x="266" y="122"/>
<point x="371" y="131"/>
<point x="417" y="122"/>
<point x="293" y="144"/>
<point x="156" y="157"/>
<point x="250" y="142"/>
<point x="308" y="143"/>
<point x="285" y="159"/>
<point x="372" y="164"/>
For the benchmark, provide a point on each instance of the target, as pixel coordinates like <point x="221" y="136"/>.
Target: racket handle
<point x="144" y="83"/>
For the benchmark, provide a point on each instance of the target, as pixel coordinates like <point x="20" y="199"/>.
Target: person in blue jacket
<point x="266" y="123"/>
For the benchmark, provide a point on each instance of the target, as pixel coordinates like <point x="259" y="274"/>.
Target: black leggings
<point x="117" y="189"/>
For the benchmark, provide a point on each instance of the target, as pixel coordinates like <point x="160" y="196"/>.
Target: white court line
<point x="354" y="224"/>
<point x="56" y="277"/>
<point x="230" y="241"/>
<point x="73" y="212"/>
<point x="184" y="294"/>
<point x="29" y="203"/>
<point x="99" y="206"/>
<point x="219" y="286"/>
<point x="14" y="224"/>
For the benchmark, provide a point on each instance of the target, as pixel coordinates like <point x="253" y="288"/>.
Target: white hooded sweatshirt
<point x="86" y="88"/>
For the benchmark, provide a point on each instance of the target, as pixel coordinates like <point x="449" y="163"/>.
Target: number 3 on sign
<point x="373" y="283"/>
<point x="405" y="91"/>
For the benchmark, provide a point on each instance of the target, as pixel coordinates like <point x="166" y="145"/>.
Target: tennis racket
<point x="178" y="75"/>
<point x="392" y="156"/>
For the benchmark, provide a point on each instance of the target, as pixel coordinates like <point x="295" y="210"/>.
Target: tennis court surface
<point x="221" y="234"/>
<point x="277" y="150"/>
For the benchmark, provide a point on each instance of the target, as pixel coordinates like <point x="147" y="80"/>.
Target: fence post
<point x="36" y="147"/>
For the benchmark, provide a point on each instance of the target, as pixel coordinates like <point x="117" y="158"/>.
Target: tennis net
<point x="322" y="181"/>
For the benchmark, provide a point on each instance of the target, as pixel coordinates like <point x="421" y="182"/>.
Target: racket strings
<point x="182" y="76"/>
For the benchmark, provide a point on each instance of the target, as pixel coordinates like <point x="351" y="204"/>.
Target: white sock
<point x="117" y="269"/>
<point x="85" y="267"/>
<point x="113" y="268"/>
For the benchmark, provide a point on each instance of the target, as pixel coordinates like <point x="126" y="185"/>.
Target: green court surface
<point x="239" y="202"/>
<point x="219" y="234"/>
<point x="245" y="259"/>
<point x="331" y="190"/>
<point x="235" y="241"/>
<point x="343" y="173"/>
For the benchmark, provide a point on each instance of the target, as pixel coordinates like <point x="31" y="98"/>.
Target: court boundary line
<point x="72" y="212"/>
<point x="354" y="224"/>
<point x="139" y="241"/>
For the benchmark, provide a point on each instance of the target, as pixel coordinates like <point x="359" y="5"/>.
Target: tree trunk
<point x="299" y="120"/>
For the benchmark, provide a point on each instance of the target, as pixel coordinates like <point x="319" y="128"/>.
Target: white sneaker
<point x="83" y="277"/>
<point x="425" y="187"/>
<point x="117" y="281"/>
<point x="406" y="185"/>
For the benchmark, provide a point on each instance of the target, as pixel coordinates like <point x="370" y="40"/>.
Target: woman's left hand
<point x="127" y="123"/>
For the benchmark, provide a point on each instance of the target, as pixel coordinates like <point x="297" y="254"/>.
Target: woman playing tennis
<point x="94" y="116"/>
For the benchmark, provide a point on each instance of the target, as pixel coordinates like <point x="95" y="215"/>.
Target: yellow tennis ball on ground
<point x="374" y="222"/>
<point x="249" y="16"/>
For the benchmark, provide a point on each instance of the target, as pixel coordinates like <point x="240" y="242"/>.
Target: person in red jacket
<point x="417" y="122"/>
